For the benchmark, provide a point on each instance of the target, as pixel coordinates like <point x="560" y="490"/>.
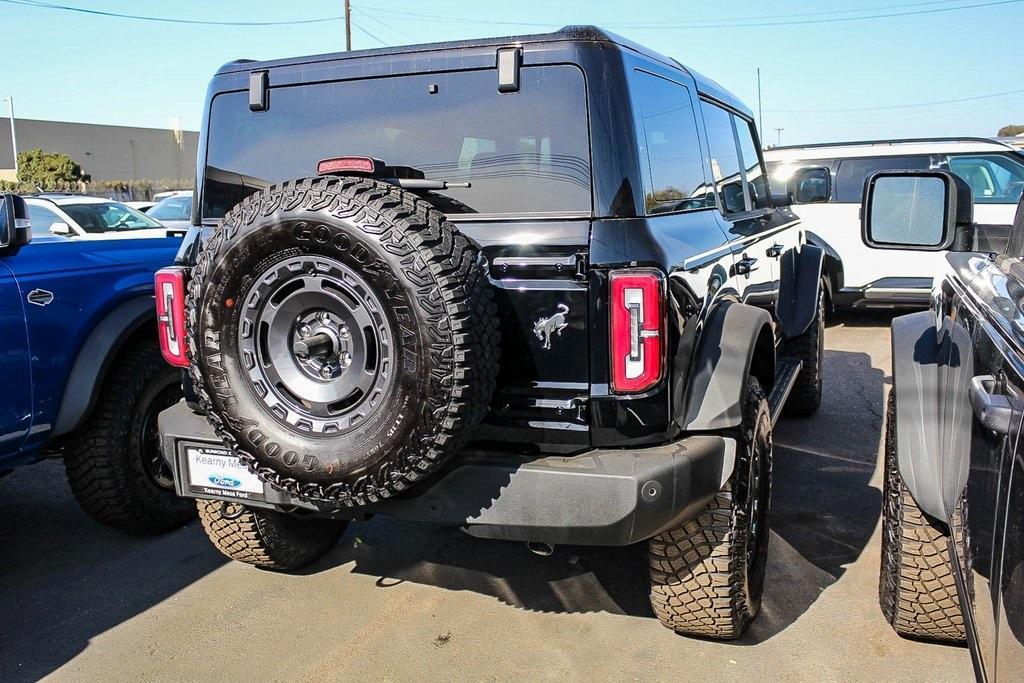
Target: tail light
<point x="170" y="314"/>
<point x="637" y="329"/>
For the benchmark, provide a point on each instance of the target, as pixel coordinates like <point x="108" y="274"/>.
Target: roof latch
<point x="259" y="90"/>
<point x="509" y="61"/>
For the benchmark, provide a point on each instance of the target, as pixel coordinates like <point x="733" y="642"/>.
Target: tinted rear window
<point x="522" y="152"/>
<point x="853" y="172"/>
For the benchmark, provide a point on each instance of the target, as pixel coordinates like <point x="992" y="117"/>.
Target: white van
<point x="858" y="276"/>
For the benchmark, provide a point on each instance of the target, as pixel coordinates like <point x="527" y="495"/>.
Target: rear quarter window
<point x="526" y="152"/>
<point x="853" y="172"/>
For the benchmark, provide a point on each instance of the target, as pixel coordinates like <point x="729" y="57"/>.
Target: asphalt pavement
<point x="401" y="601"/>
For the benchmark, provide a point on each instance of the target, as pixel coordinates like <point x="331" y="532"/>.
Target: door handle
<point x="992" y="410"/>
<point x="774" y="251"/>
<point x="746" y="265"/>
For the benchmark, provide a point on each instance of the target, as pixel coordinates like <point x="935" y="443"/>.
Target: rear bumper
<point x="599" y="497"/>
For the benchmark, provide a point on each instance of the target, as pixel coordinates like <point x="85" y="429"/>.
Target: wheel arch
<point x="733" y="331"/>
<point x="95" y="356"/>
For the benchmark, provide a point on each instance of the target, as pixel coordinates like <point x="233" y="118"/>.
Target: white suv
<point x="858" y="276"/>
<point x="89" y="218"/>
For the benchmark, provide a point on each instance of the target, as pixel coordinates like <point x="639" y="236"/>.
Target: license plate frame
<point x="215" y="472"/>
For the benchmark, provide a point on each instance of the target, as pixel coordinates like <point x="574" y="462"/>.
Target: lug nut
<point x="346" y="360"/>
<point x="326" y="372"/>
<point x="343" y="332"/>
<point x="325" y="317"/>
<point x="304" y="331"/>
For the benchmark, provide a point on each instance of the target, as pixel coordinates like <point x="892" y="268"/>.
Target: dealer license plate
<point x="214" y="471"/>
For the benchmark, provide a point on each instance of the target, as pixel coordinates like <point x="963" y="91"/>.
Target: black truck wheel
<point x="266" y="538"/>
<point x="343" y="337"/>
<point x="809" y="347"/>
<point x="916" y="584"/>
<point x="113" y="463"/>
<point x="707" y="574"/>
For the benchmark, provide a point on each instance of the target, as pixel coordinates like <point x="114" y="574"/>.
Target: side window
<point x="671" y="145"/>
<point x="994" y="178"/>
<point x="725" y="158"/>
<point x="41" y="219"/>
<point x="853" y="172"/>
<point x="757" y="178"/>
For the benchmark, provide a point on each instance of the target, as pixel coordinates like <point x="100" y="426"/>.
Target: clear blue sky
<point x="821" y="81"/>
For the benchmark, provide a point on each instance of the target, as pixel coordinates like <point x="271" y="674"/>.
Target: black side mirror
<point x="811" y="185"/>
<point x="921" y="210"/>
<point x="15" y="230"/>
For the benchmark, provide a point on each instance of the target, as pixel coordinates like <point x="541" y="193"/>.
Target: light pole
<point x="14" y="137"/>
<point x="778" y="132"/>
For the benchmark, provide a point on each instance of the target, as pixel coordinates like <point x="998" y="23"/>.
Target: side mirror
<point x="15" y="229"/>
<point x="811" y="185"/>
<point x="920" y="210"/>
<point x="61" y="229"/>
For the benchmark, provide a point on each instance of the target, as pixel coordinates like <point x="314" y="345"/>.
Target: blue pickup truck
<point x="80" y="368"/>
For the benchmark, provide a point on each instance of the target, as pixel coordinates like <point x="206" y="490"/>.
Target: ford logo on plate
<point x="227" y="482"/>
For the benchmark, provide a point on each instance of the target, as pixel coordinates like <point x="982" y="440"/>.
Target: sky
<point x="824" y="77"/>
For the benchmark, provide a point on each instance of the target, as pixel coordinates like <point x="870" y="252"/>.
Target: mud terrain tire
<point x="809" y="347"/>
<point x="266" y="538"/>
<point x="397" y="293"/>
<point x="707" y="574"/>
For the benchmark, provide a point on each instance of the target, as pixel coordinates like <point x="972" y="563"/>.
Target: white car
<point x="140" y="206"/>
<point x="858" y="276"/>
<point x="174" y="211"/>
<point x="89" y="218"/>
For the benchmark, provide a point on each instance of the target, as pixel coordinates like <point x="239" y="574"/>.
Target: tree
<point x="49" y="170"/>
<point x="1010" y="131"/>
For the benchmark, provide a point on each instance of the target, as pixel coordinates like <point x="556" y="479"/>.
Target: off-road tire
<point x="916" y="584"/>
<point x="701" y="583"/>
<point x="439" y="305"/>
<point x="266" y="538"/>
<point x="104" y="458"/>
<point x="805" y="397"/>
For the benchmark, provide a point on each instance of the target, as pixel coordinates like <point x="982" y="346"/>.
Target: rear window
<point x="525" y="152"/>
<point x="853" y="172"/>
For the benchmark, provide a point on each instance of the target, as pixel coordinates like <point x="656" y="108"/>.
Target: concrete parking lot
<point x="402" y="601"/>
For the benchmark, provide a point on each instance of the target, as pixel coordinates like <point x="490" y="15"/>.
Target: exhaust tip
<point x="542" y="549"/>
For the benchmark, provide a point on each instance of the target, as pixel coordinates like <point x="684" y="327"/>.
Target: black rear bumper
<point x="599" y="497"/>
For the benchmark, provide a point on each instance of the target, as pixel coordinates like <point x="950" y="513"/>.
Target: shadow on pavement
<point x="65" y="579"/>
<point x="823" y="513"/>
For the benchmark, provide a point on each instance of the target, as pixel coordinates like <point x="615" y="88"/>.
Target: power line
<point x="745" y="22"/>
<point x="363" y="29"/>
<point x="167" y="20"/>
<point x="897" y="106"/>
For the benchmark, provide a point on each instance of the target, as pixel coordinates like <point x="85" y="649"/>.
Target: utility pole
<point x="14" y="137"/>
<point x="778" y="131"/>
<point x="760" y="119"/>
<point x="348" y="26"/>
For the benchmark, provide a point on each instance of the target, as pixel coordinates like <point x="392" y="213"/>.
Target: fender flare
<point x="931" y="375"/>
<point x="832" y="267"/>
<point x="85" y="380"/>
<point x="800" y="280"/>
<point x="737" y="340"/>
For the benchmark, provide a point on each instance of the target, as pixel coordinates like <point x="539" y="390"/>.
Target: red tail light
<point x="170" y="314"/>
<point x="343" y="165"/>
<point x="637" y="329"/>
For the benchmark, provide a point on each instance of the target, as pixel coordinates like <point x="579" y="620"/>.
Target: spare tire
<point x="343" y="337"/>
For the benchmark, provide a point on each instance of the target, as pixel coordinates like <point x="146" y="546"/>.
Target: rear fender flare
<point x="800" y="281"/>
<point x="737" y="341"/>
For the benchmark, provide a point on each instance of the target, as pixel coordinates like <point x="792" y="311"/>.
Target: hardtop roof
<point x="580" y="34"/>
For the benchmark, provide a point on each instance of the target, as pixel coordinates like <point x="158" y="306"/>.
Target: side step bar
<point x="787" y="370"/>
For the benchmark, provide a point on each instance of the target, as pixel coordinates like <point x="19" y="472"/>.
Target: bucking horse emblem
<point x="546" y="328"/>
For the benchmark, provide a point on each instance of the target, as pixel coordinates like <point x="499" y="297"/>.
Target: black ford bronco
<point x="538" y="288"/>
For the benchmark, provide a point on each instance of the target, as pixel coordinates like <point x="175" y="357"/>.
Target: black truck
<point x="535" y="287"/>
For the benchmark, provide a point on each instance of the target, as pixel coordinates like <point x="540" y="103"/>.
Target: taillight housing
<point x="170" y="314"/>
<point x="637" y="315"/>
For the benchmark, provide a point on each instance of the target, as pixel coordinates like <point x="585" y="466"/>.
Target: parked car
<point x="160" y="196"/>
<point x="487" y="294"/>
<point x="144" y="207"/>
<point x="952" y="529"/>
<point x="82" y="374"/>
<point x="91" y="218"/>
<point x="858" y="276"/>
<point x="174" y="211"/>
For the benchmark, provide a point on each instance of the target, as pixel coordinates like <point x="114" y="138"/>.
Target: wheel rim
<point x="153" y="463"/>
<point x="757" y="512"/>
<point x="315" y="344"/>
